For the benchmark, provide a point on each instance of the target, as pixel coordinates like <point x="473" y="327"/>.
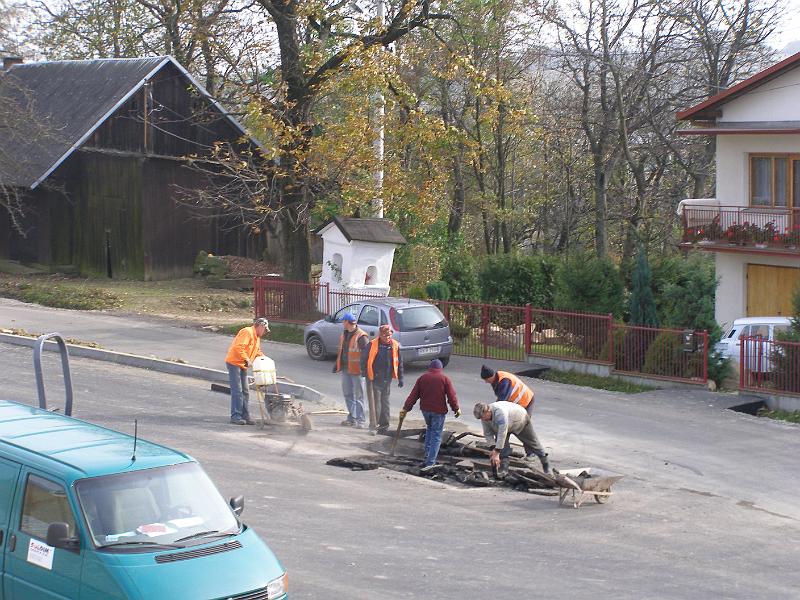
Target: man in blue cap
<point x="349" y="360"/>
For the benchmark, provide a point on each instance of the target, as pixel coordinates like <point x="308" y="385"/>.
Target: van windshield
<point x="420" y="317"/>
<point x="175" y="505"/>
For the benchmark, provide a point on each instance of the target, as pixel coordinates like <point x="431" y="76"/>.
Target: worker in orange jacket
<point x="383" y="365"/>
<point x="508" y="387"/>
<point x="244" y="349"/>
<point x="352" y="343"/>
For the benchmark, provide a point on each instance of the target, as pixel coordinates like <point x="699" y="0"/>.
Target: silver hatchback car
<point x="419" y="327"/>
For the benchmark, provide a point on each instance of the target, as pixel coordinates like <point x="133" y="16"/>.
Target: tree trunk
<point x="459" y="198"/>
<point x="600" y="209"/>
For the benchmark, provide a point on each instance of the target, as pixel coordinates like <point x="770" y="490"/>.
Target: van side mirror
<point x="237" y="504"/>
<point x="330" y="319"/>
<point x="58" y="537"/>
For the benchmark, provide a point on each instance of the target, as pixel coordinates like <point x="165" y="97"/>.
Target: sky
<point x="790" y="25"/>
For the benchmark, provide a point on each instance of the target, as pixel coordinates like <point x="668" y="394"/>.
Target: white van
<point x="765" y="327"/>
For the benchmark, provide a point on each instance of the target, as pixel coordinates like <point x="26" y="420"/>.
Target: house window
<point x="774" y="180"/>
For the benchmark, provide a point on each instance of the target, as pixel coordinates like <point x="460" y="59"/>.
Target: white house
<point x="357" y="255"/>
<point x="753" y="223"/>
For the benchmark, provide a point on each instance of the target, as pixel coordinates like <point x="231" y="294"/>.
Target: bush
<point x="417" y="292"/>
<point x="516" y="280"/>
<point x="663" y="355"/>
<point x="589" y="285"/>
<point x="687" y="300"/>
<point x="60" y="296"/>
<point x="461" y="275"/>
<point x="438" y="290"/>
<point x="641" y="305"/>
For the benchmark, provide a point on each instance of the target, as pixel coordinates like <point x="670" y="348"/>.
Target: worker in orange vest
<point x="244" y="349"/>
<point x="383" y="365"/>
<point x="352" y="344"/>
<point x="508" y="387"/>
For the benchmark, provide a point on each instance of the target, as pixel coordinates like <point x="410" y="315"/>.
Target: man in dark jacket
<point x="435" y="391"/>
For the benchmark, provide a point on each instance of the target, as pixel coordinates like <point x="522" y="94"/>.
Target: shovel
<point x="396" y="435"/>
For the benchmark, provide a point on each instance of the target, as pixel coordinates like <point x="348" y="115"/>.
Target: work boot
<point x="347" y="423"/>
<point x="238" y="422"/>
<point x="502" y="470"/>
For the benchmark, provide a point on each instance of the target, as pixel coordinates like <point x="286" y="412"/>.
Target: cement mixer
<point x="275" y="407"/>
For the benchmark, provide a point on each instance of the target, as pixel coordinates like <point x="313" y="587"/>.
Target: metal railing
<point x="769" y="365"/>
<point x="501" y="332"/>
<point x="663" y="353"/>
<point x="752" y="226"/>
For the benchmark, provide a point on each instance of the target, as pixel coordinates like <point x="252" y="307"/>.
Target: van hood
<point x="216" y="576"/>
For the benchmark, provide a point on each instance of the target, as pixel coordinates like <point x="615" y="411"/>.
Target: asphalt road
<point x="708" y="507"/>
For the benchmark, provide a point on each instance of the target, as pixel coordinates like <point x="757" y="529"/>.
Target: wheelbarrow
<point x="582" y="483"/>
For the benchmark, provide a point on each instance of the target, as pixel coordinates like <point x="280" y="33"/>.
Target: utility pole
<point x="379" y="114"/>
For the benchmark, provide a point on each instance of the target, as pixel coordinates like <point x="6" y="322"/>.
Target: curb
<point x="157" y="364"/>
<point x="121" y="358"/>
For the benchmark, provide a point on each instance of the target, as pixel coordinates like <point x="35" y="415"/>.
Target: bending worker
<point x="383" y="365"/>
<point x="508" y="387"/>
<point x="352" y="344"/>
<point x="500" y="420"/>
<point x="244" y="349"/>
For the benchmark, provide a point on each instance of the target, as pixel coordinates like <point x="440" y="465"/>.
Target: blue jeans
<point x="433" y="436"/>
<point x="240" y="394"/>
<point x="353" y="391"/>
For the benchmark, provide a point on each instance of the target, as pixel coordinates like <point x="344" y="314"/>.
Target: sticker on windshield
<point x="154" y="529"/>
<point x="40" y="554"/>
<point x="186" y="522"/>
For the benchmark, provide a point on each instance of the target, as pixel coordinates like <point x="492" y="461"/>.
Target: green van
<point x="83" y="517"/>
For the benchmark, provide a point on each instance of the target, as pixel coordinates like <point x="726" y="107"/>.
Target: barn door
<point x="769" y="290"/>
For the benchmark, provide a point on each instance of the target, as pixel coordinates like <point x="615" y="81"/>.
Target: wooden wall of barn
<point x="108" y="216"/>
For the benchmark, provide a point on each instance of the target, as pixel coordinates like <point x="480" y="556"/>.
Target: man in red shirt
<point x="435" y="391"/>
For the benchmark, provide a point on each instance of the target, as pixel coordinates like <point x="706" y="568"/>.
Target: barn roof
<point x="366" y="230"/>
<point x="69" y="100"/>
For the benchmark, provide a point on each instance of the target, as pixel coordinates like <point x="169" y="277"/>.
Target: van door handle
<point x="12" y="543"/>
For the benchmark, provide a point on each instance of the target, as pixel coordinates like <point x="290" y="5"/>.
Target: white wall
<point x="357" y="257"/>
<point x="778" y="100"/>
<point x="731" y="298"/>
<point x="733" y="166"/>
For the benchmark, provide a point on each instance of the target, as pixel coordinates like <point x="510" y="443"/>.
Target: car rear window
<point x="419" y="318"/>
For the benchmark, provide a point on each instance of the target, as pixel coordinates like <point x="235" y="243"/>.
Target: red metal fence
<point x="515" y="332"/>
<point x="769" y="365"/>
<point x="663" y="353"/>
<point x="760" y="227"/>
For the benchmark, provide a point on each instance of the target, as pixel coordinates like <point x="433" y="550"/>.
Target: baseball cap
<point x="348" y="316"/>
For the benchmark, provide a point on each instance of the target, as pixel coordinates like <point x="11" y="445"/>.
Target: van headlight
<point x="278" y="587"/>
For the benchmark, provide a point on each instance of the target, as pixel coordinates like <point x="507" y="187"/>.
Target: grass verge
<point x="59" y="296"/>
<point x="780" y="415"/>
<point x="278" y="332"/>
<point x="611" y="384"/>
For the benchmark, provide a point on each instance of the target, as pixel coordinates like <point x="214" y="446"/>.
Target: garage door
<point x="769" y="290"/>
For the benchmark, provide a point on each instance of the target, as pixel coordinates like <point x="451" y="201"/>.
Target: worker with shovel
<point x="435" y="391"/>
<point x="383" y="365"/>
<point x="244" y="349"/>
<point x="500" y="420"/>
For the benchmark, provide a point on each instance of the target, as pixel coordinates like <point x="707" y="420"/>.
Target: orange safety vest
<point x="520" y="393"/>
<point x="246" y="346"/>
<point x="373" y="352"/>
<point x="353" y="353"/>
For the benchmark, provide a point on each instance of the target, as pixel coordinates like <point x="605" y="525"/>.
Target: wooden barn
<point x="96" y="151"/>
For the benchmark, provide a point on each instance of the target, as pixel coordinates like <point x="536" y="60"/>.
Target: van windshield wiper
<point x="200" y="534"/>
<point x="137" y="543"/>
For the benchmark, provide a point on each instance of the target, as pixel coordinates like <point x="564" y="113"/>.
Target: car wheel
<point x="445" y="360"/>
<point x="315" y="347"/>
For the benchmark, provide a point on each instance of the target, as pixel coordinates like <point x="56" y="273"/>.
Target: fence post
<point x="528" y="321"/>
<point x="611" y="338"/>
<point x="705" y="357"/>
<point x="327" y="297"/>
<point x="485" y="322"/>
<point x="742" y="364"/>
<point x="258" y="300"/>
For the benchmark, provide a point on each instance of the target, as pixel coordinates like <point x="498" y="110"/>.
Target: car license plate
<point x="431" y="350"/>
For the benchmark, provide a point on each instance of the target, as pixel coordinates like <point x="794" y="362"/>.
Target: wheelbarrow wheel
<point x="601" y="499"/>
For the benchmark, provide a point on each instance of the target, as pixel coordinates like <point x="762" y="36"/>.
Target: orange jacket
<point x="373" y="352"/>
<point x="519" y="393"/>
<point x="246" y="346"/>
<point x="353" y="352"/>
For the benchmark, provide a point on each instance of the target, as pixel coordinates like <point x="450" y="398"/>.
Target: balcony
<point x="742" y="229"/>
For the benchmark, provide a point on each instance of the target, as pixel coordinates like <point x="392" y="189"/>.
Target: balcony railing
<point x="752" y="227"/>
